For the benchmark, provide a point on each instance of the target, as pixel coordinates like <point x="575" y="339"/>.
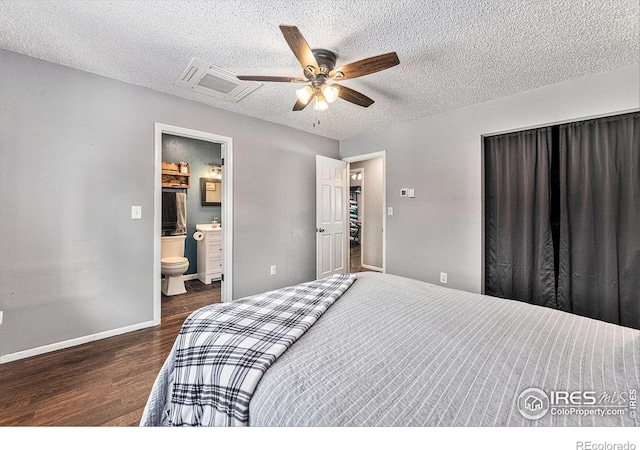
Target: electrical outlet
<point x="273" y="270"/>
<point x="404" y="192"/>
<point x="136" y="212"/>
<point x="443" y="277"/>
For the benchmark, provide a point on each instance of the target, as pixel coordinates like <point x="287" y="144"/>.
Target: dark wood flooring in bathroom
<point x="101" y="383"/>
<point x="198" y="294"/>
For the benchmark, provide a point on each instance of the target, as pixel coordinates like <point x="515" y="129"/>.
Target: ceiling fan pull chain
<point x="315" y="111"/>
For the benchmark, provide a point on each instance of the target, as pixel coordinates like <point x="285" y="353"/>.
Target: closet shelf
<point x="354" y="224"/>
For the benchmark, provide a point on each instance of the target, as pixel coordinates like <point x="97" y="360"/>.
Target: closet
<point x="355" y="224"/>
<point x="561" y="217"/>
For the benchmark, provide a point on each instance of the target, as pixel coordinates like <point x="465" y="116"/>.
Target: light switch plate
<point x="412" y="193"/>
<point x="136" y="212"/>
<point x="390" y="210"/>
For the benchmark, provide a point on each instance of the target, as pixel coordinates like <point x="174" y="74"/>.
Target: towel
<point x="174" y="213"/>
<point x="181" y="209"/>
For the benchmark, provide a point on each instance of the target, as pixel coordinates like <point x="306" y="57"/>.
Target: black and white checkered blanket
<point x="223" y="350"/>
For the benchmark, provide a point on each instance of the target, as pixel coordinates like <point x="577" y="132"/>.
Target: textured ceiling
<point x="452" y="54"/>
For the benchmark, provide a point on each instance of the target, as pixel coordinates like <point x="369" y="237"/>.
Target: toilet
<point x="173" y="264"/>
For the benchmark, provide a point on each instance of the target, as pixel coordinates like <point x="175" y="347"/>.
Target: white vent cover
<point x="202" y="77"/>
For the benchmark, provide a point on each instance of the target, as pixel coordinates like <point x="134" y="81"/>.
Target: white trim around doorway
<point x="226" y="144"/>
<point x="366" y="157"/>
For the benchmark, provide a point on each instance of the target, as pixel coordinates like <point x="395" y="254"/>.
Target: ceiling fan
<point x="319" y="69"/>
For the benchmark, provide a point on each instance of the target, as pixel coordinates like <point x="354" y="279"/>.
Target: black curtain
<point x="599" y="255"/>
<point x="519" y="259"/>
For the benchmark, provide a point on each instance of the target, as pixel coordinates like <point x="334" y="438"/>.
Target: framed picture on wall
<point x="210" y="191"/>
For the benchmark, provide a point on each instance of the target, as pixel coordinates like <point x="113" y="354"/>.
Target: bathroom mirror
<point x="210" y="191"/>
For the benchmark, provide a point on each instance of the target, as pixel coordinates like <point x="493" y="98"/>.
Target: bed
<point x="392" y="351"/>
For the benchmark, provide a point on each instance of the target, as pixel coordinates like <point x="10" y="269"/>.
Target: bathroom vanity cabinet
<point x="210" y="254"/>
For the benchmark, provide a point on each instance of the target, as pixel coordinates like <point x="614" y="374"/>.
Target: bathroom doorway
<point x="367" y="206"/>
<point x="204" y="155"/>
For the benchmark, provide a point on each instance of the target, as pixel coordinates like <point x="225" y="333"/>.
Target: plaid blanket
<point x="223" y="350"/>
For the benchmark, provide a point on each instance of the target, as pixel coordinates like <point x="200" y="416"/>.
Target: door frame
<point x="226" y="144"/>
<point x="365" y="157"/>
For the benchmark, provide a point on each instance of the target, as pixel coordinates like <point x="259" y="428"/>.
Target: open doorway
<point x="356" y="218"/>
<point x="190" y="226"/>
<point x="206" y="155"/>
<point x="367" y="205"/>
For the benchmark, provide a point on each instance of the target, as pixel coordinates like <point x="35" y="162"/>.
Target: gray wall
<point x="77" y="151"/>
<point x="440" y="157"/>
<point x="200" y="155"/>
<point x="373" y="204"/>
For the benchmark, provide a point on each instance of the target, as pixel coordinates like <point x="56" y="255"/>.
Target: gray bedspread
<point x="399" y="352"/>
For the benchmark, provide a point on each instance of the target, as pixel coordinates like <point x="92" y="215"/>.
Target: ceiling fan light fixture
<point x="318" y="68"/>
<point x="304" y="94"/>
<point x="320" y="104"/>
<point x="330" y="92"/>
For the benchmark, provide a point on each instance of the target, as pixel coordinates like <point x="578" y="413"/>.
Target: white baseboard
<point x="81" y="340"/>
<point x="374" y="268"/>
<point x="72" y="342"/>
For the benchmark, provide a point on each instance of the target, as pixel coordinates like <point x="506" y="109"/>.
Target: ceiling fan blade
<point x="365" y="66"/>
<point x="299" y="46"/>
<point x="270" y="78"/>
<point x="299" y="106"/>
<point x="355" y="97"/>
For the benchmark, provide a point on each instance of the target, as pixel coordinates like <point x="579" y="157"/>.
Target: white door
<point x="332" y="236"/>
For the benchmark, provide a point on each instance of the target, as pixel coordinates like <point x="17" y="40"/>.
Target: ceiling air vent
<point x="204" y="78"/>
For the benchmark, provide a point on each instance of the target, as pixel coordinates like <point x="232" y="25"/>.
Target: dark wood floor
<point x="105" y="382"/>
<point x="354" y="262"/>
<point x="355" y="258"/>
